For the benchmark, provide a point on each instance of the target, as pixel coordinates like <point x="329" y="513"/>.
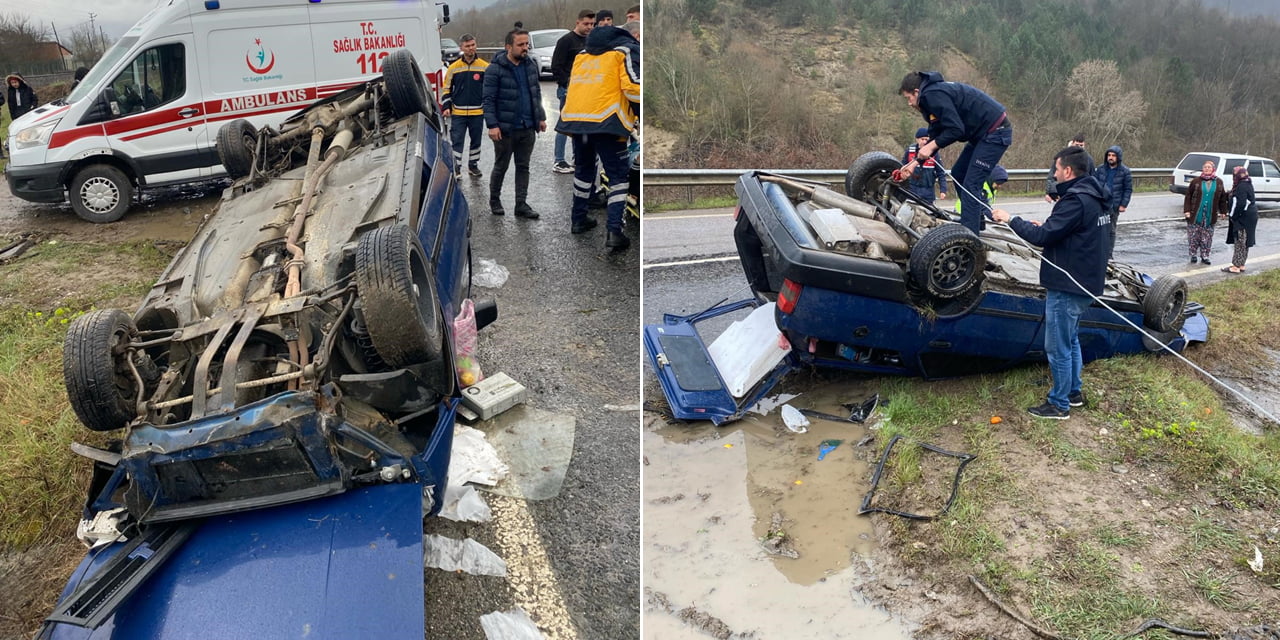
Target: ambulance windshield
<point x="100" y="71"/>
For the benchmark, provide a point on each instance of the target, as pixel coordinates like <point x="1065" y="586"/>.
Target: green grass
<point x="709" y="202"/>
<point x="1218" y="589"/>
<point x="42" y="483"/>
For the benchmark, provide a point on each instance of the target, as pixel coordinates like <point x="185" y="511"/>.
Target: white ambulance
<point x="148" y="113"/>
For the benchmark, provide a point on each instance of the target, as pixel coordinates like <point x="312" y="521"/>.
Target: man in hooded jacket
<point x="1074" y="238"/>
<point x="1118" y="181"/>
<point x="599" y="114"/>
<point x="22" y="98"/>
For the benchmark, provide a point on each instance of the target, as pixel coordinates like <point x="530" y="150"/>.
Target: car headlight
<point x="36" y="136"/>
<point x="545" y="59"/>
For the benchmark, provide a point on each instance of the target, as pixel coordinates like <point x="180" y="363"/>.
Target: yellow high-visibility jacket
<point x="604" y="87"/>
<point x="464" y="87"/>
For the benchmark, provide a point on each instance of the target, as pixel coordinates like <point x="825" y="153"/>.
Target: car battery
<point x="493" y="395"/>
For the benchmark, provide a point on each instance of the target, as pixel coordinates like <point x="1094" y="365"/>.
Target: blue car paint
<point x="348" y="566"/>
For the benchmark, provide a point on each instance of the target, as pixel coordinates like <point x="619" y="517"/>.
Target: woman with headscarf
<point x="1206" y="200"/>
<point x="1244" y="220"/>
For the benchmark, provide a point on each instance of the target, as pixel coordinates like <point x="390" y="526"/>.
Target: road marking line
<point x="1211" y="268"/>
<point x="680" y="263"/>
<point x="533" y="583"/>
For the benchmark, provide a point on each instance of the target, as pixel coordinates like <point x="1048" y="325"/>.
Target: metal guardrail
<point x="721" y="177"/>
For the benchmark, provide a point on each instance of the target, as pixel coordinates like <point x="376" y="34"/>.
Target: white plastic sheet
<point x="794" y="420"/>
<point x="461" y="555"/>
<point x="474" y="459"/>
<point x="509" y="625"/>
<point x="489" y="274"/>
<point x="749" y="349"/>
<point x="462" y="503"/>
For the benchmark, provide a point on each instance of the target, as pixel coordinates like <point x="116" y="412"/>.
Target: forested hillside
<point x="746" y="83"/>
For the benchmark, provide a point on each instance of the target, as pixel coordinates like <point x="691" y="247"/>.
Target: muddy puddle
<point x="724" y="508"/>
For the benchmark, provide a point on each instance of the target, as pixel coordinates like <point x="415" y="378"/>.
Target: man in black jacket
<point x="1073" y="270"/>
<point x="514" y="114"/>
<point x="567" y="47"/>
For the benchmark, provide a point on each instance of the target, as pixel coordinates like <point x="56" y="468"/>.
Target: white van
<point x="148" y="113"/>
<point x="1262" y="171"/>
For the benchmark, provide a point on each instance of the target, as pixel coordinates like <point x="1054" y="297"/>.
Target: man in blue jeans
<point x="1074" y="239"/>
<point x="567" y="47"/>
<point x="957" y="112"/>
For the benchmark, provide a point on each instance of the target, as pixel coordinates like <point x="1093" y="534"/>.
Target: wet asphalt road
<point x="566" y="330"/>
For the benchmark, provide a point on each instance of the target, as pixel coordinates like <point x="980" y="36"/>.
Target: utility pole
<point x="58" y="41"/>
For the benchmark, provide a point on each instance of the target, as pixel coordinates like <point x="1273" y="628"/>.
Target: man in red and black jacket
<point x="926" y="175"/>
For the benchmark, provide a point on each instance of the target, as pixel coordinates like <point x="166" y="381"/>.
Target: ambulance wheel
<point x="398" y="295"/>
<point x="100" y="193"/>
<point x="406" y="85"/>
<point x="1163" y="305"/>
<point x="868" y="173"/>
<point x="947" y="261"/>
<point x="235" y="145"/>
<point x="95" y="367"/>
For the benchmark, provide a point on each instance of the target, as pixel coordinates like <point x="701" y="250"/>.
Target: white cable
<point x="1164" y="346"/>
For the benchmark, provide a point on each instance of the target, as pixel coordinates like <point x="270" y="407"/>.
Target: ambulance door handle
<point x="189" y="111"/>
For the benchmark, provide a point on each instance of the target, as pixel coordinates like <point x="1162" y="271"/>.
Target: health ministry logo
<point x="260" y="55"/>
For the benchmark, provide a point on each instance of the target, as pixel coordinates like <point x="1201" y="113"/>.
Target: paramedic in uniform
<point x="463" y="102"/>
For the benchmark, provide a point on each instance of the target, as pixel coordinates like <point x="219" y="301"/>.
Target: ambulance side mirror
<point x="104" y="108"/>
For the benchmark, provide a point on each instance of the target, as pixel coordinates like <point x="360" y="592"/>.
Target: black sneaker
<point x="1047" y="410"/>
<point x="526" y="211"/>
<point x="496" y="208"/>
<point x="1076" y="399"/>
<point x="562" y="167"/>
<point x="1194" y="260"/>
<point x="584" y="226"/>
<point x="475" y="171"/>
<point x="1204" y="260"/>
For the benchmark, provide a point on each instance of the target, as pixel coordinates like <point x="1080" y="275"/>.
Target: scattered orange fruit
<point x="996" y="419"/>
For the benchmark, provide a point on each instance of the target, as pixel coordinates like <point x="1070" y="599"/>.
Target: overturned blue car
<point x="286" y="392"/>
<point x="876" y="281"/>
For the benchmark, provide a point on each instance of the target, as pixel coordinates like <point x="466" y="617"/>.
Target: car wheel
<point x="100" y="193"/>
<point x="102" y="389"/>
<point x="947" y="261"/>
<point x="867" y="174"/>
<point x="235" y="146"/>
<point x="398" y="296"/>
<point x="406" y="85"/>
<point x="1163" y="305"/>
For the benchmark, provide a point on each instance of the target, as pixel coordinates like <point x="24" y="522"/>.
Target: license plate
<point x="1188" y="178"/>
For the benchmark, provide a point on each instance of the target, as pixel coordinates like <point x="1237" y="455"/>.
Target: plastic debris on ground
<point x="474" y="459"/>
<point x="462" y="503"/>
<point x="537" y="445"/>
<point x="794" y="420"/>
<point x="827" y="446"/>
<point x="489" y="274"/>
<point x="749" y="349"/>
<point x="766" y="405"/>
<point x="509" y="625"/>
<point x="466" y="555"/>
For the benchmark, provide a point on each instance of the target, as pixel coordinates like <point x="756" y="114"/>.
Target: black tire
<point x="867" y="174"/>
<point x="948" y="261"/>
<point x="1162" y="307"/>
<point x="236" y="143"/>
<point x="397" y="291"/>
<point x="100" y="386"/>
<point x="100" y="193"/>
<point x="406" y="86"/>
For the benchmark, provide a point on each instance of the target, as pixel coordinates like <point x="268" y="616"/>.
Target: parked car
<point x="1263" y="171"/>
<point x="879" y="282"/>
<point x="299" y="347"/>
<point x="449" y="51"/>
<point x="542" y="43"/>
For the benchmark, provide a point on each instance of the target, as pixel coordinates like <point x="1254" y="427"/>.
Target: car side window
<point x="1230" y="165"/>
<point x="154" y="78"/>
<point x="1255" y="169"/>
<point x="1270" y="170"/>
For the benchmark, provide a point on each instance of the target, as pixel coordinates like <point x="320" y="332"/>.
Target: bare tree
<point x="1106" y="108"/>
<point x="19" y="39"/>
<point x="85" y="43"/>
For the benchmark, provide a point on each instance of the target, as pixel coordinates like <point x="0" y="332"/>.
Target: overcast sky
<point x="114" y="16"/>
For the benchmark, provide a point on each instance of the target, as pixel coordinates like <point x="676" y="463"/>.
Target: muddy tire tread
<point x="384" y="279"/>
<point x="236" y="156"/>
<point x="405" y="84"/>
<point x="862" y="169"/>
<point x="88" y="370"/>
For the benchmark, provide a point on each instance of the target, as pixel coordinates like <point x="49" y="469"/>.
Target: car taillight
<point x="788" y="296"/>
